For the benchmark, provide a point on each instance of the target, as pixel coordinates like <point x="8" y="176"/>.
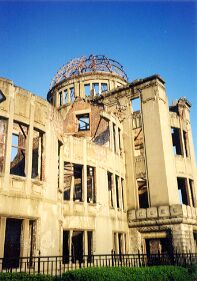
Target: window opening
<point x="59" y="162"/>
<point x="119" y="140"/>
<point x="191" y="185"/>
<point x="95" y="87"/>
<point x="66" y="96"/>
<point x="142" y="193"/>
<point x="18" y="151"/>
<point x="2" y="97"/>
<point x="136" y="105"/>
<point x="195" y="239"/>
<point x="66" y="238"/>
<point x="60" y="98"/>
<point x="12" y="244"/>
<point x="84" y="122"/>
<point x="72" y="94"/>
<point x="68" y="175"/>
<point x="122" y="187"/>
<point x="91" y="196"/>
<point x="87" y="89"/>
<point x="37" y="155"/>
<point x="117" y="191"/>
<point x="90" y="245"/>
<point x="182" y="189"/>
<point x="78" y="182"/>
<point x="176" y="140"/>
<point x="104" y="87"/>
<point x="114" y="135"/>
<point x="3" y="140"/>
<point x="77" y="246"/>
<point x="110" y="190"/>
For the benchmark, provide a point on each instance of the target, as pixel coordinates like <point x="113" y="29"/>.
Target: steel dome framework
<point x="93" y="63"/>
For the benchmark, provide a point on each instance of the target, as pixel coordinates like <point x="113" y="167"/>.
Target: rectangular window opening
<point x="77" y="246"/>
<point x="91" y="196"/>
<point x="72" y="94"/>
<point x="3" y="140"/>
<point x="90" y="245"/>
<point x="66" y="96"/>
<point x="78" y="178"/>
<point x="182" y="190"/>
<point x="191" y="185"/>
<point x="66" y="239"/>
<point x="83" y="122"/>
<point x="18" y="151"/>
<point x="37" y="155"/>
<point x="95" y="87"/>
<point x="12" y="244"/>
<point x="136" y="105"/>
<point x="110" y="188"/>
<point x="122" y="187"/>
<point x="104" y="87"/>
<point x="142" y="193"/>
<point x="60" y="98"/>
<point x="59" y="162"/>
<point x="87" y="89"/>
<point x="68" y="176"/>
<point x="114" y="136"/>
<point x="117" y="191"/>
<point x="176" y="141"/>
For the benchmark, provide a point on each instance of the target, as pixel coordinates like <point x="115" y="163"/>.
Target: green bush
<point x="24" y="277"/>
<point x="154" y="273"/>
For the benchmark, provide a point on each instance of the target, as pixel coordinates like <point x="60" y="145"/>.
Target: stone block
<point x="152" y="212"/>
<point x="131" y="215"/>
<point x="176" y="210"/>
<point x="141" y="214"/>
<point x="189" y="212"/>
<point x="164" y="211"/>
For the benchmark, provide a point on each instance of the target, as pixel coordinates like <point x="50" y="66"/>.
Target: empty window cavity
<point x="3" y="139"/>
<point x="110" y="188"/>
<point x="68" y="175"/>
<point x="87" y="89"/>
<point x="142" y="193"/>
<point x="136" y="105"/>
<point x="182" y="190"/>
<point x="104" y="87"/>
<point x="18" y="150"/>
<point x="83" y="122"/>
<point x="185" y="139"/>
<point x="78" y="182"/>
<point x="176" y="141"/>
<point x="91" y="196"/>
<point x="60" y="98"/>
<point x="117" y="191"/>
<point x="66" y="96"/>
<point x="95" y="87"/>
<point x="37" y="155"/>
<point x="72" y="94"/>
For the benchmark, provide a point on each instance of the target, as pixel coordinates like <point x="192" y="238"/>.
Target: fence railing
<point x="57" y="265"/>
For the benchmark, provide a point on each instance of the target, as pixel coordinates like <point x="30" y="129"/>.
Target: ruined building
<point x="101" y="164"/>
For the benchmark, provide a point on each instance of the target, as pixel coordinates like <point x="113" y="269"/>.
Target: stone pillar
<point x="25" y="239"/>
<point x="70" y="242"/>
<point x="84" y="186"/>
<point x="2" y="235"/>
<point x="158" y="144"/>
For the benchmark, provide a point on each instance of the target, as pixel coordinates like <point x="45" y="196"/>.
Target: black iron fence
<point x="56" y="265"/>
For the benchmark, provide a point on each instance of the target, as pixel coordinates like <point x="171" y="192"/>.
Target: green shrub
<point x="24" y="277"/>
<point x="154" y="273"/>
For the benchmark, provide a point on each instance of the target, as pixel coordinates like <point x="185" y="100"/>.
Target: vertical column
<point x="25" y="239"/>
<point x="29" y="145"/>
<point x="117" y="145"/>
<point x="158" y="144"/>
<point x="2" y="235"/>
<point x="120" y="193"/>
<point x="5" y="184"/>
<point x="84" y="172"/>
<point x="111" y="135"/>
<point x="70" y="242"/>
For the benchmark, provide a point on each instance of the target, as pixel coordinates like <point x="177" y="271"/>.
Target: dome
<point x="93" y="63"/>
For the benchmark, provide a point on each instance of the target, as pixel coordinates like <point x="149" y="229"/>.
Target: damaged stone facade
<point x="103" y="165"/>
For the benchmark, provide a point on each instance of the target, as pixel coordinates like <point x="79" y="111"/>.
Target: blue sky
<point x="37" y="38"/>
